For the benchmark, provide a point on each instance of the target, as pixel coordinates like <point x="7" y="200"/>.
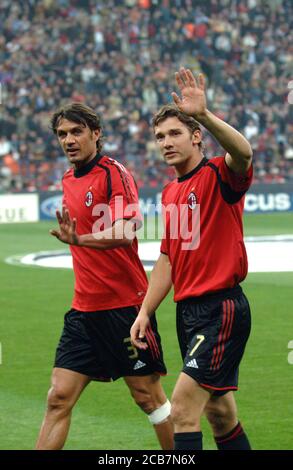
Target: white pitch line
<point x="265" y="254"/>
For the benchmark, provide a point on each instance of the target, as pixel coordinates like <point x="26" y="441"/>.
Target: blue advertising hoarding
<point x="261" y="198"/>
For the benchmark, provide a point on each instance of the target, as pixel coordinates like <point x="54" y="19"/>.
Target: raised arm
<point x="159" y="286"/>
<point x="193" y="103"/>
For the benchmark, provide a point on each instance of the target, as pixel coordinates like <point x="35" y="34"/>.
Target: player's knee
<point x="58" y="400"/>
<point x="180" y="415"/>
<point x="144" y="400"/>
<point x="177" y="412"/>
<point x="161" y="414"/>
<point x="220" y="419"/>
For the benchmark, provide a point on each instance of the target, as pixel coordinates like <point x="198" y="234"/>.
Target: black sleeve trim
<point x="228" y="194"/>
<point x="109" y="181"/>
<point x="125" y="181"/>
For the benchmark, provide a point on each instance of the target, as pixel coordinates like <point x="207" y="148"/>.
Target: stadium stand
<point x="120" y="58"/>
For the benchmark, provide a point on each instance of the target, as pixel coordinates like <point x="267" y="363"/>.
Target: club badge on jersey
<point x="191" y="201"/>
<point x="89" y="197"/>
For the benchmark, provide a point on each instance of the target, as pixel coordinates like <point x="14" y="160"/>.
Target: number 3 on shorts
<point x="200" y="339"/>
<point x="132" y="351"/>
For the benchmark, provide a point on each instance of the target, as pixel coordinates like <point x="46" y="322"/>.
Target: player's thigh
<point x="189" y="397"/>
<point x="68" y="384"/>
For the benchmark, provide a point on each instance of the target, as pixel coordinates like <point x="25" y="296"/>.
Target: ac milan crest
<point x="89" y="199"/>
<point x="191" y="201"/>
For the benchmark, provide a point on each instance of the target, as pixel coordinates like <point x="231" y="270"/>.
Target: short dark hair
<point x="81" y="114"/>
<point x="170" y="110"/>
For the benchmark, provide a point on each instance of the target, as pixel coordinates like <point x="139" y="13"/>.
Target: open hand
<point x="193" y="98"/>
<point x="67" y="228"/>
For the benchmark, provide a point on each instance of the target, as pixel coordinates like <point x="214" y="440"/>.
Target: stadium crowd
<point x="120" y="57"/>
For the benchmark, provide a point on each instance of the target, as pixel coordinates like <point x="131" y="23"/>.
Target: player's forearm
<point x="103" y="243"/>
<point x="229" y="138"/>
<point x="113" y="237"/>
<point x="159" y="285"/>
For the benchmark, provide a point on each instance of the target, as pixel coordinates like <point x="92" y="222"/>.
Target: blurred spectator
<point x="120" y="58"/>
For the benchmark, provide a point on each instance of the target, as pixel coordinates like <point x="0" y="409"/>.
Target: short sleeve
<point x="232" y="185"/>
<point x="239" y="183"/>
<point x="123" y="195"/>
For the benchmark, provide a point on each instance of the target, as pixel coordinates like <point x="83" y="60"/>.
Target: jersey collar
<point x="84" y="170"/>
<point x="192" y="172"/>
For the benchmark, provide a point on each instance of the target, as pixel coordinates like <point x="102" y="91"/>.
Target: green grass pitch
<point x="32" y="303"/>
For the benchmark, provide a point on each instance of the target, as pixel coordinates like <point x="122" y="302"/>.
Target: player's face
<point x="77" y="141"/>
<point x="175" y="141"/>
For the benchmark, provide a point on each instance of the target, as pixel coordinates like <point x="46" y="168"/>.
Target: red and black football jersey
<point x="203" y="228"/>
<point x="97" y="195"/>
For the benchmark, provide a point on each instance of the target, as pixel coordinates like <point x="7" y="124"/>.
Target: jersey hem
<point x="95" y="308"/>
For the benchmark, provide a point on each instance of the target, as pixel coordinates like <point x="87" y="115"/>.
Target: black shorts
<point x="98" y="344"/>
<point x="212" y="333"/>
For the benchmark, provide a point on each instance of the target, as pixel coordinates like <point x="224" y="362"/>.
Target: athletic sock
<point x="233" y="440"/>
<point x="188" y="440"/>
